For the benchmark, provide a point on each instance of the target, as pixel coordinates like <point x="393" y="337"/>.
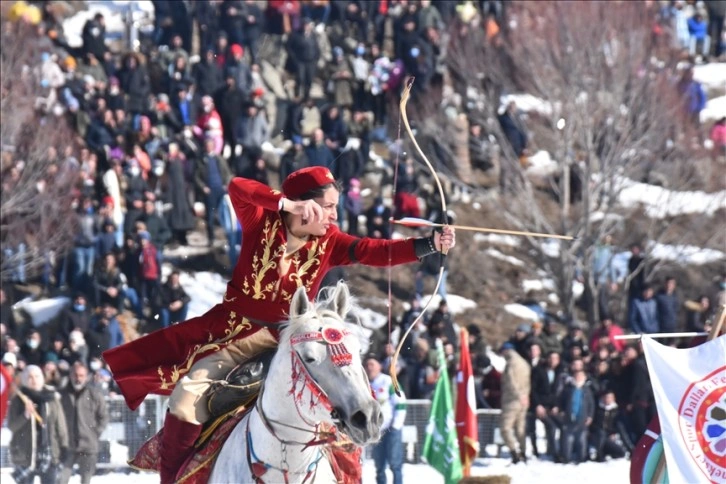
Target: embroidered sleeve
<point x="251" y="199"/>
<point x="371" y="252"/>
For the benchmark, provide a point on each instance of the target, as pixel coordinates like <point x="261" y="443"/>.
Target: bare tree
<point x="609" y="112"/>
<point x="36" y="213"/>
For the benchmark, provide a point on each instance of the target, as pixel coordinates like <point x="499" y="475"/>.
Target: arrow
<point x="419" y="222"/>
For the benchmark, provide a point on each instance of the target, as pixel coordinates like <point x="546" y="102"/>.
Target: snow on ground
<point x="712" y="75"/>
<point x="535" y="471"/>
<point x="457" y="304"/>
<point x="527" y="103"/>
<point x="715" y="109"/>
<point x="521" y="311"/>
<point x="113" y="12"/>
<point x="541" y="164"/>
<point x="685" y="254"/>
<point x="661" y="202"/>
<point x="496" y="239"/>
<point x="538" y="285"/>
<point x="503" y="257"/>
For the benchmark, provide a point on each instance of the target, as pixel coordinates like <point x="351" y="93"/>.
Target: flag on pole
<point x="441" y="447"/>
<point x="466" y="423"/>
<point x="5" y="381"/>
<point x="690" y="392"/>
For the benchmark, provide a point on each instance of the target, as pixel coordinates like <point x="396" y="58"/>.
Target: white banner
<point x="690" y="392"/>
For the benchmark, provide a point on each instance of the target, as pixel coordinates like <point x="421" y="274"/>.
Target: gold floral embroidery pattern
<point x="304" y="274"/>
<point x="177" y="371"/>
<point x="264" y="260"/>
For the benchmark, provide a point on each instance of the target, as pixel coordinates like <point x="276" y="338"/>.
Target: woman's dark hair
<point x="318" y="192"/>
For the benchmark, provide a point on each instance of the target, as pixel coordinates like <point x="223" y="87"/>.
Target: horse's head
<point x="326" y="351"/>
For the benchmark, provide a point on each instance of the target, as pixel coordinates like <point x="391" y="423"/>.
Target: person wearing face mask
<point x="31" y="351"/>
<point x="85" y="412"/>
<point x="38" y="425"/>
<point x="294" y="230"/>
<point x="75" y="316"/>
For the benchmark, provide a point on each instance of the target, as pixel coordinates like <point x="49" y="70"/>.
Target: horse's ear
<point x="341" y="299"/>
<point x="300" y="303"/>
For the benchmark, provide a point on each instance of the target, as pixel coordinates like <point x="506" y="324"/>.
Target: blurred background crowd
<point x="217" y="89"/>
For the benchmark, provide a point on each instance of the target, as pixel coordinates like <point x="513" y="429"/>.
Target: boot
<point x="177" y="443"/>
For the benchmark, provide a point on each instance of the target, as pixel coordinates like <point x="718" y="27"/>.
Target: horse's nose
<point x="368" y="420"/>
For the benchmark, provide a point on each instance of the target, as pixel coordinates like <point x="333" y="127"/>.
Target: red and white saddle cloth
<point x="344" y="456"/>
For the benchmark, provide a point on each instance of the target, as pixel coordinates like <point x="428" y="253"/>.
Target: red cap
<point x="236" y="49"/>
<point x="108" y="200"/>
<point x="304" y="180"/>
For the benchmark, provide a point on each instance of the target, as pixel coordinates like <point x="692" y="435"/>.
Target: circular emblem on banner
<point x="702" y="422"/>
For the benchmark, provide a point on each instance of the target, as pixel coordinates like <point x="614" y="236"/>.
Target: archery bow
<point x="444" y="216"/>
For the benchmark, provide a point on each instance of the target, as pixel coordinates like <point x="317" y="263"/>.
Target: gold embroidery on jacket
<point x="177" y="371"/>
<point x="263" y="261"/>
<point x="304" y="274"/>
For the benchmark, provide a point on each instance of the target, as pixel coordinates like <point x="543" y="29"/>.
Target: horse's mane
<point x="322" y="307"/>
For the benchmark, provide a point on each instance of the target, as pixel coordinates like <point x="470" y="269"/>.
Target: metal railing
<point x="128" y="430"/>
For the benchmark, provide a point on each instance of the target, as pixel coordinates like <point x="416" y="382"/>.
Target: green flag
<point x="441" y="447"/>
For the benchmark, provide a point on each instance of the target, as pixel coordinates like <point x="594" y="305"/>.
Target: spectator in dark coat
<point x="607" y="433"/>
<point x="111" y="287"/>
<point x="238" y="68"/>
<point x="232" y="20"/>
<point x="303" y="55"/>
<point x="294" y="159"/>
<point x="514" y="129"/>
<point x="135" y="83"/>
<point x="576" y="410"/>
<point x="211" y="177"/>
<point x="253" y="24"/>
<point x="643" y="317"/>
<point x="105" y="332"/>
<point x="667" y="306"/>
<point x="94" y="36"/>
<point x="377" y="220"/>
<point x="318" y="152"/>
<point x="86" y="417"/>
<point x="32" y="351"/>
<point x="638" y="392"/>
<point x="155" y="225"/>
<point x="181" y="218"/>
<point x="207" y="17"/>
<point x="208" y="76"/>
<point x="175" y="301"/>
<point x="545" y="399"/>
<point x="76" y="316"/>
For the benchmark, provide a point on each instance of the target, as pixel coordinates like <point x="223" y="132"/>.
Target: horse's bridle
<point x="341" y="357"/>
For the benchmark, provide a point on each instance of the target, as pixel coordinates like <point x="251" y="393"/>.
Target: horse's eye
<point x="309" y="359"/>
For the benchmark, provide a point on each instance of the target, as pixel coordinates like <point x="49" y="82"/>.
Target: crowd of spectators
<point x="260" y="89"/>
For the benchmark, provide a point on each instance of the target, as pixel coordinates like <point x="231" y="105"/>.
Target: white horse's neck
<point x="278" y="433"/>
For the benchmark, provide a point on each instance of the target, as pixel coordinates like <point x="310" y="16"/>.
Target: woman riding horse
<point x="289" y="240"/>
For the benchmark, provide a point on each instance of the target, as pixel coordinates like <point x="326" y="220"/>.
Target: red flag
<point x="5" y="381"/>
<point x="466" y="424"/>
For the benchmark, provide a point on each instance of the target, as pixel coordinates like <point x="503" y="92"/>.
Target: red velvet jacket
<point x="257" y="292"/>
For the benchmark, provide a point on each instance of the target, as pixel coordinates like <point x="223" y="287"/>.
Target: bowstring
<point x="399" y="146"/>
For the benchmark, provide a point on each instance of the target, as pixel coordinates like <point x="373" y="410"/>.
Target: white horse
<point x="316" y="377"/>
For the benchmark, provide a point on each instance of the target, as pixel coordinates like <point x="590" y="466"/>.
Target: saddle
<point x="240" y="387"/>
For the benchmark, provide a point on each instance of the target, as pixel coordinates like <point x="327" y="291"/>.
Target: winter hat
<point x="10" y="359"/>
<point x="524" y="327"/>
<point x="236" y="50"/>
<point x="506" y="346"/>
<point x="305" y="180"/>
<point x="108" y="200"/>
<point x="144" y="235"/>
